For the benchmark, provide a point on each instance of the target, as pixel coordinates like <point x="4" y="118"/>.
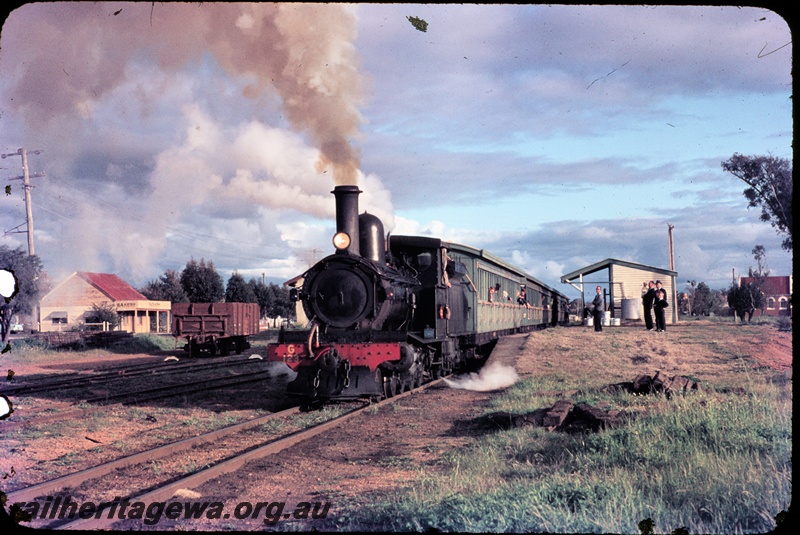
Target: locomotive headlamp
<point x="341" y="241"/>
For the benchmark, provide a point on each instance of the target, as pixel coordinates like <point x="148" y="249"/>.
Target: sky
<point x="551" y="136"/>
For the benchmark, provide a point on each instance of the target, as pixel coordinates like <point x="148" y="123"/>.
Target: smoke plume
<point x="493" y="376"/>
<point x="184" y="145"/>
<point x="81" y="51"/>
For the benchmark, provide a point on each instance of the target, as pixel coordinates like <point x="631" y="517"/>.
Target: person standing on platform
<point x="648" y="298"/>
<point x="659" y="306"/>
<point x="598" y="309"/>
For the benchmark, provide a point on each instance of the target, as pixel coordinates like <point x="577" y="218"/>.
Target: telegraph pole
<point x="26" y="182"/>
<point x="670" y="226"/>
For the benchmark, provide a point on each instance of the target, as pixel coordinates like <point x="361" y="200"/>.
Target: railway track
<point x="142" y="396"/>
<point x="78" y="380"/>
<point x="167" y="489"/>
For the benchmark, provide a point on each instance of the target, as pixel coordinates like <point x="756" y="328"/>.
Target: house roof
<point x="115" y="288"/>
<point x="603" y="264"/>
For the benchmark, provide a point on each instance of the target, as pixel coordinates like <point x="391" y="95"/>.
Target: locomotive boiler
<point x="386" y="315"/>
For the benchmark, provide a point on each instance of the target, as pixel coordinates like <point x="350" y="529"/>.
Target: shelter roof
<point x="608" y="262"/>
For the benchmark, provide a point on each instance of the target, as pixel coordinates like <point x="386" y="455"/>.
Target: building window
<point x="771" y="303"/>
<point x="784" y="303"/>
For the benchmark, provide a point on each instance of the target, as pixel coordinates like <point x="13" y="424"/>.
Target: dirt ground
<point x="382" y="450"/>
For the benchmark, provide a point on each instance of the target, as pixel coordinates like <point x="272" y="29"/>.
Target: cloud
<point x="104" y="78"/>
<point x="554" y="136"/>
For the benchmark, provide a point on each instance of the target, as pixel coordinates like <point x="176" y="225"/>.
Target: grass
<point x="716" y="467"/>
<point x="718" y="460"/>
<point x="38" y="352"/>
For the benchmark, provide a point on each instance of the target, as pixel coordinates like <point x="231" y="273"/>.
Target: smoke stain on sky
<point x="301" y="56"/>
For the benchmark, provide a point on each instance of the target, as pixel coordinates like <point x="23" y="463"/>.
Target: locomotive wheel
<point x="418" y="379"/>
<point x="402" y="383"/>
<point x="390" y="386"/>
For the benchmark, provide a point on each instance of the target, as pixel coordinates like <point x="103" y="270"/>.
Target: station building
<point x="69" y="304"/>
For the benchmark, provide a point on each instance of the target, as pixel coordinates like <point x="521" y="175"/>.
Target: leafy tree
<point x="263" y="296"/>
<point x="702" y="300"/>
<point x="274" y="301"/>
<point x="745" y="299"/>
<point x="283" y="306"/>
<point x="238" y="291"/>
<point x="102" y="313"/>
<point x="27" y="271"/>
<point x="719" y="302"/>
<point x="201" y="282"/>
<point x="166" y="288"/>
<point x="770" y="186"/>
<point x="760" y="274"/>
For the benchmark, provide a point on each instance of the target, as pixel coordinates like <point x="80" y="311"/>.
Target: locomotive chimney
<point x="347" y="216"/>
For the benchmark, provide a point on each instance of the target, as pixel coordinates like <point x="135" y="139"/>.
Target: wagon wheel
<point x="224" y="348"/>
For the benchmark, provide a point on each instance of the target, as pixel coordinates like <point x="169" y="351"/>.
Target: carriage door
<point x="451" y="296"/>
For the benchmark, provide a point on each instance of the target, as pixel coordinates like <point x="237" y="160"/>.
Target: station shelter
<point x="622" y="287"/>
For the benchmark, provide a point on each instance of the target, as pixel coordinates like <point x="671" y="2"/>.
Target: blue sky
<point x="552" y="136"/>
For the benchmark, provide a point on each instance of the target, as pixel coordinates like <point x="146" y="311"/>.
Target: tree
<point x="263" y="296"/>
<point x="745" y="299"/>
<point x="27" y="273"/>
<point x="238" y="291"/>
<point x="274" y="301"/>
<point x="690" y="294"/>
<point x="719" y="302"/>
<point x="770" y="186"/>
<point x="166" y="288"/>
<point x="201" y="282"/>
<point x="283" y="306"/>
<point x="103" y="313"/>
<point x="702" y="300"/>
<point x="760" y="274"/>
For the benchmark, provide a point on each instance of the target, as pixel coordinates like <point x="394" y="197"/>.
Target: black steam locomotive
<point x="387" y="319"/>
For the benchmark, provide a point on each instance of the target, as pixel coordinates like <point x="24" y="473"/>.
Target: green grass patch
<point x="705" y="462"/>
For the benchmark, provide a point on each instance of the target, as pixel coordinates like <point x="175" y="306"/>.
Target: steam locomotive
<point x="388" y="314"/>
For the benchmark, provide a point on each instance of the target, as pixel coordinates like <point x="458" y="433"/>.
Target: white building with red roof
<point x="68" y="304"/>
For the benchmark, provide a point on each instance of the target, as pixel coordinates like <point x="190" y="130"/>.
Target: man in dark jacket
<point x="598" y="308"/>
<point x="648" y="297"/>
